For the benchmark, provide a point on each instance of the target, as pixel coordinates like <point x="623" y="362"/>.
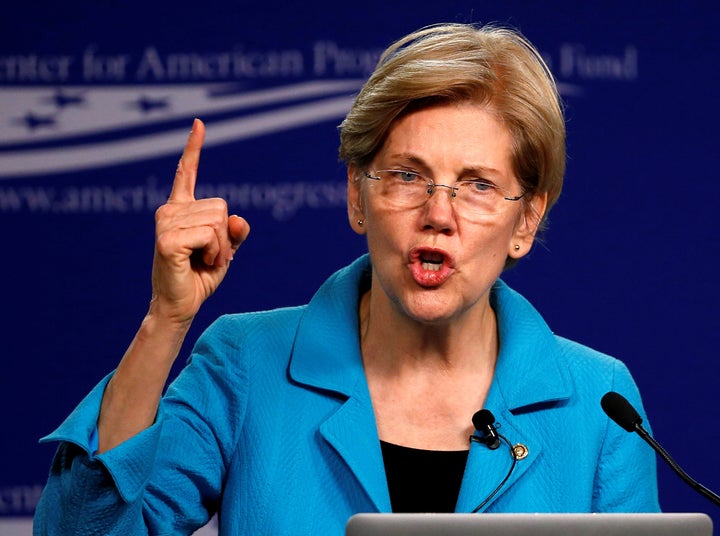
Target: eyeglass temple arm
<point x="516" y="198"/>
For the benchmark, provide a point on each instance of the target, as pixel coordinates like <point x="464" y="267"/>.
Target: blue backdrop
<point x="95" y="104"/>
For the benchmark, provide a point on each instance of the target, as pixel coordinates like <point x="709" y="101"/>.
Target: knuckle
<point x="160" y="213"/>
<point x="165" y="243"/>
<point x="219" y="221"/>
<point x="216" y="213"/>
<point x="216" y="203"/>
<point x="165" y="212"/>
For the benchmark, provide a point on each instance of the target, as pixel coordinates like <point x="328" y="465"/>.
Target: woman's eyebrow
<point x="481" y="171"/>
<point x="409" y="157"/>
<point x="472" y="170"/>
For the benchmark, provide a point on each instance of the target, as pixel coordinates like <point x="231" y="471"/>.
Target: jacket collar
<point x="530" y="373"/>
<point x="326" y="354"/>
<point x="530" y="369"/>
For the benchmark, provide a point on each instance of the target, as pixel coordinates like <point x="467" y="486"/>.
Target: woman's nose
<point x="438" y="211"/>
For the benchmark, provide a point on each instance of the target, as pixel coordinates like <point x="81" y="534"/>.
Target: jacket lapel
<point x="530" y="375"/>
<point x="353" y="434"/>
<point x="326" y="356"/>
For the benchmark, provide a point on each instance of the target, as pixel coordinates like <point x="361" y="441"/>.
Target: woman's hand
<point x="195" y="240"/>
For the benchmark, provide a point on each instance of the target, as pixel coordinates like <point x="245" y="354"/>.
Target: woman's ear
<point x="356" y="211"/>
<point x="527" y="226"/>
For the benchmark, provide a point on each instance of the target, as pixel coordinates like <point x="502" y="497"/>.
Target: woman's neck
<point x="393" y="341"/>
<point x="426" y="381"/>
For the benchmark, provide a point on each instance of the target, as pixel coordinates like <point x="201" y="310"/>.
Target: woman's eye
<point x="481" y="186"/>
<point x="404" y="176"/>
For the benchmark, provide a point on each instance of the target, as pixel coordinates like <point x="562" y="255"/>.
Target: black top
<point x="423" y="480"/>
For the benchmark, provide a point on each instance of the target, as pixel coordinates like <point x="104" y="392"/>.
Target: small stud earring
<point x="517" y="247"/>
<point x="360" y="222"/>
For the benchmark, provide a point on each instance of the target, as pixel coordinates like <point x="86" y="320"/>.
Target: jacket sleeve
<point x="626" y="479"/>
<point x="166" y="479"/>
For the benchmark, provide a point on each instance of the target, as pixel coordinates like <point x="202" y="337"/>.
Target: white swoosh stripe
<point x="63" y="159"/>
<point x="106" y="108"/>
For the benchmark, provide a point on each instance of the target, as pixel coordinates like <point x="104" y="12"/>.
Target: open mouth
<point x="431" y="260"/>
<point x="430" y="267"/>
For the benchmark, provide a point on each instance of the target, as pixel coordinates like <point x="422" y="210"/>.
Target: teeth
<point x="434" y="267"/>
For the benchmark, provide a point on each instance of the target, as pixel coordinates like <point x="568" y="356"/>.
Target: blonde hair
<point x="494" y="66"/>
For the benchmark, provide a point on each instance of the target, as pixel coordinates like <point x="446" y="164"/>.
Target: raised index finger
<point x="183" y="188"/>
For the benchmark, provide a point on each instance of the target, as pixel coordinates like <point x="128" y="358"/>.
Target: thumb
<point x="238" y="229"/>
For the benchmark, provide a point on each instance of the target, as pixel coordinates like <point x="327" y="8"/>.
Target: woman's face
<point x="433" y="264"/>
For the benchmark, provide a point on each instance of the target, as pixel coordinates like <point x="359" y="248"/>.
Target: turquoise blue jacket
<point x="271" y="425"/>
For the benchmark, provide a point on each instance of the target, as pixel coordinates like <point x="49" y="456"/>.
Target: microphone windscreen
<point x="620" y="410"/>
<point x="483" y="419"/>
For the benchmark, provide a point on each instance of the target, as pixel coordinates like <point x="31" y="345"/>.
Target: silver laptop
<point x="530" y="525"/>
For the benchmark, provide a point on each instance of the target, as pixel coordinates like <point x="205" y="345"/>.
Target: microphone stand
<point x="702" y="490"/>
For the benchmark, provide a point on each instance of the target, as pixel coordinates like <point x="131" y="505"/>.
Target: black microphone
<point x="484" y="422"/>
<point x="624" y="414"/>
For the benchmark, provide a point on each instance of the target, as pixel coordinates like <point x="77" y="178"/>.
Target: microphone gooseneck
<point x="624" y="414"/>
<point x="484" y="423"/>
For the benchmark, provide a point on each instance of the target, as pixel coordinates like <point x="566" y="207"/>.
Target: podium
<point x="667" y="524"/>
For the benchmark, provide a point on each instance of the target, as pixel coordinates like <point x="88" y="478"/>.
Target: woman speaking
<point x="289" y="421"/>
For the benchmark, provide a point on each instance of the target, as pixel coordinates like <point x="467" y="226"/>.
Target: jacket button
<point x="520" y="451"/>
